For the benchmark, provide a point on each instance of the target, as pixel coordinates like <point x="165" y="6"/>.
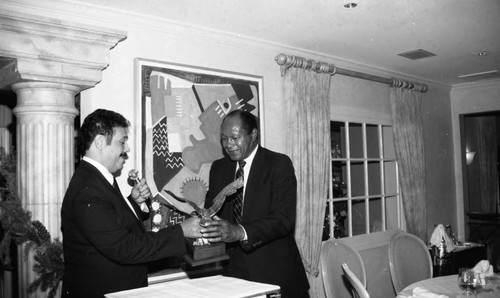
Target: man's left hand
<point x="141" y="192"/>
<point x="222" y="230"/>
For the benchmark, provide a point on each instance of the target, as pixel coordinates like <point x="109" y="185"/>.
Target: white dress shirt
<point x="108" y="177"/>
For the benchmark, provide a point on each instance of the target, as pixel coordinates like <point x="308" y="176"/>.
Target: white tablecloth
<point x="207" y="287"/>
<point x="448" y="285"/>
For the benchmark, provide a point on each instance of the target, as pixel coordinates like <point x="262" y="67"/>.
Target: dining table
<point x="448" y="286"/>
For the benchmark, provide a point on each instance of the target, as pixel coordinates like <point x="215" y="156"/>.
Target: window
<point x="364" y="191"/>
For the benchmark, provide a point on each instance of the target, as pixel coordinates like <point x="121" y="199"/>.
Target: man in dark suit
<point x="260" y="235"/>
<point x="106" y="247"/>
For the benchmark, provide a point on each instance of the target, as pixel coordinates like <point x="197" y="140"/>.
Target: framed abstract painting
<point x="180" y="109"/>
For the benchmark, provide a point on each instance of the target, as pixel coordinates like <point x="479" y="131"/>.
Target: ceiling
<point x="372" y="34"/>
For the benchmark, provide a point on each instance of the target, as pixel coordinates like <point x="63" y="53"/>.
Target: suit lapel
<point x="250" y="200"/>
<point x="129" y="211"/>
<point x="117" y="195"/>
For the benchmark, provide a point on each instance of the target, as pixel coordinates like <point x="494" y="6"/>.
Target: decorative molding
<point x="476" y="85"/>
<point x="55" y="51"/>
<point x="100" y="14"/>
<point x="8" y="72"/>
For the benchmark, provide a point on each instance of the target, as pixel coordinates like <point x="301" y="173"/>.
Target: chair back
<point x="409" y="260"/>
<point x="359" y="290"/>
<point x="334" y="253"/>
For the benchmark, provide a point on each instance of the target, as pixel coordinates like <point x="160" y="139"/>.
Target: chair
<point x="409" y="260"/>
<point x="359" y="290"/>
<point x="334" y="253"/>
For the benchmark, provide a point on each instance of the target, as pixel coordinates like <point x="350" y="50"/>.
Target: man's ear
<point x="254" y="134"/>
<point x="99" y="141"/>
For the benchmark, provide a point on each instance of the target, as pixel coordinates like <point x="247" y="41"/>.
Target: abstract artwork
<point x="181" y="110"/>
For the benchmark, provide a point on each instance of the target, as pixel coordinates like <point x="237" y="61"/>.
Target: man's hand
<point x="141" y="192"/>
<point x="222" y="230"/>
<point x="194" y="227"/>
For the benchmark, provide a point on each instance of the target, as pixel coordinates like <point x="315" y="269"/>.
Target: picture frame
<point x="180" y="109"/>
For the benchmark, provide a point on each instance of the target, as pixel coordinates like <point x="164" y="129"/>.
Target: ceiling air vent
<point x="417" y="54"/>
<point x="481" y="76"/>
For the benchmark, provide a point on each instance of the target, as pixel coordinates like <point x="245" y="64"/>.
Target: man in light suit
<point x="261" y="242"/>
<point x="106" y="247"/>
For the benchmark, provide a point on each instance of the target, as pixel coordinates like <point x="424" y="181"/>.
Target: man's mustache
<point x="124" y="155"/>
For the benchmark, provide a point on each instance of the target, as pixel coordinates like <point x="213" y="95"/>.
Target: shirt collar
<point x="250" y="158"/>
<point x="99" y="166"/>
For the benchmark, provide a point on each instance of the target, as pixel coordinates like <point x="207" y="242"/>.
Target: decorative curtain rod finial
<point x="284" y="61"/>
<point x="287" y="61"/>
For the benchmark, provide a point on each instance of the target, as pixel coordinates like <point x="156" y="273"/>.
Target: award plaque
<point x="204" y="253"/>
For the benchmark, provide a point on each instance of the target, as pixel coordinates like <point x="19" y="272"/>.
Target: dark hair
<point x="99" y="122"/>
<point x="248" y="120"/>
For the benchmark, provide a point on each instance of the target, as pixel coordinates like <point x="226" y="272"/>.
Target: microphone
<point x="159" y="199"/>
<point x="134" y="176"/>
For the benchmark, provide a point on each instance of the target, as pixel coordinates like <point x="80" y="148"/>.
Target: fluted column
<point x="46" y="153"/>
<point x="48" y="61"/>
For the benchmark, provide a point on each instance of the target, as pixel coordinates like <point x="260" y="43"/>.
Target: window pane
<point x="338" y="173"/>
<point x="375" y="215"/>
<point x="337" y="139"/>
<point x="340" y="219"/>
<point x="372" y="141"/>
<point x="356" y="140"/>
<point x="391" y="212"/>
<point x="387" y="136"/>
<point x="358" y="217"/>
<point x="357" y="178"/>
<point x="374" y="178"/>
<point x="390" y="177"/>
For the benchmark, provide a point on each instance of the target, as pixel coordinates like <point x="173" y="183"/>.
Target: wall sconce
<point x="470" y="156"/>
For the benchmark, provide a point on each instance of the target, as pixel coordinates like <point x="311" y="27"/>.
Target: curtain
<point x="487" y="149"/>
<point x="308" y="141"/>
<point x="409" y="144"/>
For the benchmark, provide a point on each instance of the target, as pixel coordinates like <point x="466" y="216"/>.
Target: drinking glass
<point x="469" y="281"/>
<point x="463" y="277"/>
<point x="474" y="282"/>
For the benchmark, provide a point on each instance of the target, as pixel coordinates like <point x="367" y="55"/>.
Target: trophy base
<point x="205" y="254"/>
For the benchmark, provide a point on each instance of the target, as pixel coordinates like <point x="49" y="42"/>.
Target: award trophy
<point x="200" y="250"/>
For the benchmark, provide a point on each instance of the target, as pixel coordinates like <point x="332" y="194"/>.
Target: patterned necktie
<point x="238" y="200"/>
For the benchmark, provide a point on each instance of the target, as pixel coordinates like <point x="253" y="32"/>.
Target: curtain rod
<point x="287" y="61"/>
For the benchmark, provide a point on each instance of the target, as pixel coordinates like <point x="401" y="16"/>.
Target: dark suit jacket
<point x="106" y="247"/>
<point x="270" y="255"/>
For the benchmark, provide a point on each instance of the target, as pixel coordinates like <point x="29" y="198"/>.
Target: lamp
<point x="469" y="156"/>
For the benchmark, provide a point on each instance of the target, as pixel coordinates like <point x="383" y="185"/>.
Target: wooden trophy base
<point x="205" y="254"/>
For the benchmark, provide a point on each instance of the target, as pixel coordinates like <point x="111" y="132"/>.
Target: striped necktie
<point x="238" y="200"/>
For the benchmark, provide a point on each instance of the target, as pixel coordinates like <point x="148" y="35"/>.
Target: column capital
<point x="52" y="50"/>
<point x="37" y="98"/>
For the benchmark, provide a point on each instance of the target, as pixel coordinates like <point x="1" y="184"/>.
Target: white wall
<point x="469" y="99"/>
<point x="438" y="140"/>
